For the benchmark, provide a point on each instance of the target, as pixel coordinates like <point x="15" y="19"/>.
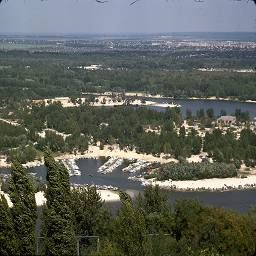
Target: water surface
<point x="238" y="200"/>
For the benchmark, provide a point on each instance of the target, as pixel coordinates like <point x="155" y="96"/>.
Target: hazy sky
<point x="116" y="16"/>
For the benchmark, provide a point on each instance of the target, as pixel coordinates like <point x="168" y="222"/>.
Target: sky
<point x="117" y="16"/>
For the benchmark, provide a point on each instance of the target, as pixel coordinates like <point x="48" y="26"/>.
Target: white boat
<point x="111" y="165"/>
<point x="72" y="167"/>
<point x="137" y="166"/>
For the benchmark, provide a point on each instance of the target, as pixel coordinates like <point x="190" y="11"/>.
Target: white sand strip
<point x="106" y="195"/>
<point x="95" y="152"/>
<point x="206" y="184"/>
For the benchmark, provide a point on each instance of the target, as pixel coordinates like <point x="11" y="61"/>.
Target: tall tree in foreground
<point x="87" y="207"/>
<point x="24" y="214"/>
<point x="7" y="245"/>
<point x="130" y="228"/>
<point x="58" y="217"/>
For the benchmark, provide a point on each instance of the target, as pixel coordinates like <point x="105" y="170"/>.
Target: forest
<point x="77" y="221"/>
<point x="33" y="75"/>
<point x="72" y="130"/>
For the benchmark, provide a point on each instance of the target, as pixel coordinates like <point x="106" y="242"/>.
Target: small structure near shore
<point x="226" y="120"/>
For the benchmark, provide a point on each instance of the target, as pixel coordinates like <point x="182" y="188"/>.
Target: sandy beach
<point x="106" y="195"/>
<point x="115" y="151"/>
<point x="204" y="185"/>
<point x="104" y="101"/>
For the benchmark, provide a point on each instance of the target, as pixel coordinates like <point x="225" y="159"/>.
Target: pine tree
<point x="130" y="228"/>
<point x="58" y="217"/>
<point x="7" y="234"/>
<point x="24" y="211"/>
<point x="86" y="206"/>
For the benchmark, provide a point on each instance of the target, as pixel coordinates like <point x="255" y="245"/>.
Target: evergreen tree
<point x="86" y="206"/>
<point x="130" y="228"/>
<point x="58" y="217"/>
<point x="7" y="234"/>
<point x="24" y="213"/>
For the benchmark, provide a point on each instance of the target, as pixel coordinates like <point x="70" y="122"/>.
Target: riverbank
<point x="159" y="96"/>
<point x="215" y="184"/>
<point x="96" y="152"/>
<point x="115" y="151"/>
<point x="104" y="101"/>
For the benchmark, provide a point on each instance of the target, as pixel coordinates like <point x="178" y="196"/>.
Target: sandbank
<point x="214" y="184"/>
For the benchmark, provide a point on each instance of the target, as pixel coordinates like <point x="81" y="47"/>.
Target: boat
<point x="111" y="165"/>
<point x="72" y="167"/>
<point x="137" y="166"/>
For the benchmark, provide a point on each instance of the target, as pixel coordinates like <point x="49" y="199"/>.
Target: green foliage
<point x="225" y="147"/>
<point x="86" y="206"/>
<point x="23" y="154"/>
<point x="146" y="70"/>
<point x="7" y="232"/>
<point x="191" y="171"/>
<point x="155" y="199"/>
<point x="11" y="136"/>
<point x="58" y="217"/>
<point x="24" y="215"/>
<point x="129" y="229"/>
<point x="157" y="211"/>
<point x="220" y="230"/>
<point x="53" y="141"/>
<point x="108" y="248"/>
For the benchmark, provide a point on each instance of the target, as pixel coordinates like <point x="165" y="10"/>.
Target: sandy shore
<point x="146" y="95"/>
<point x="103" y="101"/>
<point x="206" y="184"/>
<point x="96" y="152"/>
<point x="221" y="99"/>
<point x="106" y="195"/>
<point x="115" y="151"/>
<point x="106" y="101"/>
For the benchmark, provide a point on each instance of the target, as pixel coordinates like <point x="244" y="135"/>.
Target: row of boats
<point x="136" y="166"/>
<point x="98" y="187"/>
<point x="111" y="165"/>
<point x="108" y="167"/>
<point x="115" y="162"/>
<point x="72" y="167"/>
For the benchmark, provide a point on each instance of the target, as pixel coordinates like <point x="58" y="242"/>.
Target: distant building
<point x="226" y="120"/>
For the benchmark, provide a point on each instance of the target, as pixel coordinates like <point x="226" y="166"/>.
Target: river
<point x="238" y="200"/>
<point x="217" y="105"/>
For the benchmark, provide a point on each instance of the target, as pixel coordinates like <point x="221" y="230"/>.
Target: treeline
<point x="195" y="171"/>
<point x="78" y="220"/>
<point x="43" y="75"/>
